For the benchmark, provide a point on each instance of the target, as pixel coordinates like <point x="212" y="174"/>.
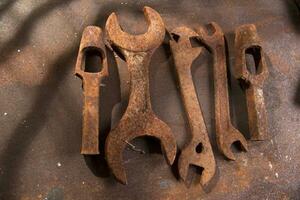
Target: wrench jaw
<point x="163" y="133"/>
<point x="130" y="128"/>
<point x="232" y="136"/>
<point x="137" y="43"/>
<point x="211" y="35"/>
<point x="203" y="159"/>
<point x="182" y="43"/>
<point x="247" y="41"/>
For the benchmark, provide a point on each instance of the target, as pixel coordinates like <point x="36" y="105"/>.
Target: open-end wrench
<point x="226" y="133"/>
<point x="248" y="42"/>
<point x="139" y="118"/>
<point x="198" y="150"/>
<point x="91" y="41"/>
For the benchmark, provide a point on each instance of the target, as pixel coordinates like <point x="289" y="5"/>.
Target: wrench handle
<point x="222" y="113"/>
<point x="90" y="133"/>
<point x="191" y="103"/>
<point x="139" y="98"/>
<point x="257" y="113"/>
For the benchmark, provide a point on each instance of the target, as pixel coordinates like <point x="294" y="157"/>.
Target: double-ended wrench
<point x="198" y="150"/>
<point x="139" y="118"/>
<point x="226" y="133"/>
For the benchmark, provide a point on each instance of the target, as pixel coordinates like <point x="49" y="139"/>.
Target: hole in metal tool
<point x="253" y="59"/>
<point x="175" y="37"/>
<point x="199" y="148"/>
<point x="210" y="29"/>
<point x="93" y="60"/>
<point x="194" y="175"/>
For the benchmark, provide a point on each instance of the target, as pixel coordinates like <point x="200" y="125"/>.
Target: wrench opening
<point x="237" y="146"/>
<point x="199" y="148"/>
<point x="145" y="145"/>
<point x="210" y="29"/>
<point x="194" y="175"/>
<point x="92" y="60"/>
<point x="253" y="59"/>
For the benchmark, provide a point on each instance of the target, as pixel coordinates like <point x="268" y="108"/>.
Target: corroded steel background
<point x="41" y="102"/>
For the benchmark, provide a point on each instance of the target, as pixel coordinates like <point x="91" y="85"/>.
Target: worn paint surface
<point x="41" y="102"/>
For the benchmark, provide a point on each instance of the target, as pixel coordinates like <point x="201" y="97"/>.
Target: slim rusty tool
<point x="198" y="150"/>
<point x="139" y="118"/>
<point x="226" y="133"/>
<point x="247" y="43"/>
<point x="91" y="41"/>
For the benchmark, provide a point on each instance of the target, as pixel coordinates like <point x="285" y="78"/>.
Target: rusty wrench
<point x="198" y="150"/>
<point x="139" y="118"/>
<point x="248" y="42"/>
<point x="226" y="133"/>
<point x="91" y="41"/>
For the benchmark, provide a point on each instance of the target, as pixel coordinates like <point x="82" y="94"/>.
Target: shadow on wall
<point x="293" y="11"/>
<point x="297" y="95"/>
<point x="5" y="6"/>
<point x="12" y="156"/>
<point x="21" y="37"/>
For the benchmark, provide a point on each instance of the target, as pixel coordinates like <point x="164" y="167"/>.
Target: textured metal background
<point x="41" y="102"/>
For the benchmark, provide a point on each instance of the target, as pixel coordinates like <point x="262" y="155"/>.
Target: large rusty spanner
<point x="248" y="42"/>
<point x="198" y="150"/>
<point x="139" y="118"/>
<point x="91" y="41"/>
<point x="226" y="133"/>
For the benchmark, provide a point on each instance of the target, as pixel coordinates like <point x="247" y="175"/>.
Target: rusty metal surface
<point x="197" y="151"/>
<point x="92" y="39"/>
<point x="41" y="102"/>
<point x="226" y="133"/>
<point x="139" y="119"/>
<point x="248" y="42"/>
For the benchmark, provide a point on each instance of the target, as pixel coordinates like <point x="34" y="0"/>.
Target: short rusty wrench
<point x="226" y="133"/>
<point x="139" y="118"/>
<point x="91" y="41"/>
<point x="247" y="42"/>
<point x="198" y="150"/>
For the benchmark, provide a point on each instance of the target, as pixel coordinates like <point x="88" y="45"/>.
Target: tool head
<point x="137" y="43"/>
<point x="232" y="136"/>
<point x="91" y="40"/>
<point x="211" y="35"/>
<point x="127" y="130"/>
<point x="248" y="42"/>
<point x="204" y="159"/>
<point x="181" y="42"/>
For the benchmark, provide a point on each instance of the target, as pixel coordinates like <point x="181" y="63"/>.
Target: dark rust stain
<point x="248" y="42"/>
<point x="91" y="40"/>
<point x="139" y="118"/>
<point x="198" y="150"/>
<point x="227" y="134"/>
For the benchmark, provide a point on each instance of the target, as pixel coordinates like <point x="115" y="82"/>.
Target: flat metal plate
<point x="41" y="102"/>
